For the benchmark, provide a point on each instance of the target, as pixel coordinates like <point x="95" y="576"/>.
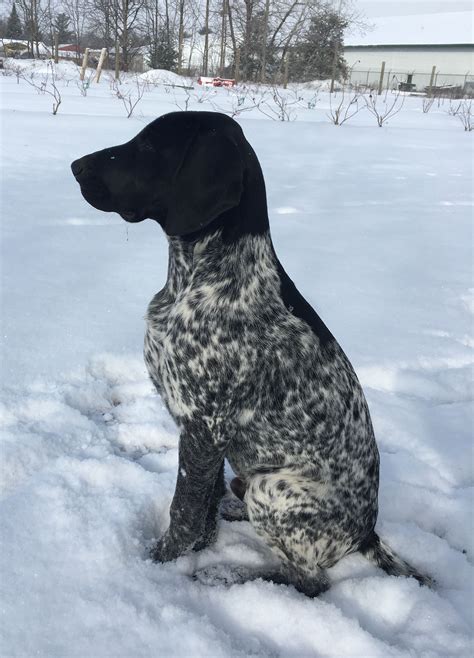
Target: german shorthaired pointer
<point x="246" y="367"/>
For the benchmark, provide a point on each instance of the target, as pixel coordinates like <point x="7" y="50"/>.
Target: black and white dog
<point x="246" y="367"/>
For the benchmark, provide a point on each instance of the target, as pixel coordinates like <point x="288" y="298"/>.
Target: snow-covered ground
<point x="374" y="226"/>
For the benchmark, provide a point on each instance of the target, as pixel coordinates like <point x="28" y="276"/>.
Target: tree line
<point x="260" y="40"/>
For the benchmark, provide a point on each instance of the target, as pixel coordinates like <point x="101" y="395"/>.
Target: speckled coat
<point x="245" y="366"/>
<point x="247" y="379"/>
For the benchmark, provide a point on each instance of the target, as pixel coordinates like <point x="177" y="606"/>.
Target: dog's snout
<point x="77" y="167"/>
<point x="81" y="167"/>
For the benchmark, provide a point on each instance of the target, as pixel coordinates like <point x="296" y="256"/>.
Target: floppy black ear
<point x="208" y="182"/>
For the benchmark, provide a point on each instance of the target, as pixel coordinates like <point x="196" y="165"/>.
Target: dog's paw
<point x="222" y="574"/>
<point x="165" y="549"/>
<point x="232" y="509"/>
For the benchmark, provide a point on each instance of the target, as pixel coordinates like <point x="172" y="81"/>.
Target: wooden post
<point x="285" y="72"/>
<point x="382" y="73"/>
<point x="433" y="73"/>
<point x="56" y="47"/>
<point x="100" y="64"/>
<point x="84" y="63"/>
<point x="117" y="59"/>
<point x="237" y="65"/>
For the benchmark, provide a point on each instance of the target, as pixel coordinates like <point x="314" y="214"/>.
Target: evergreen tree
<point x="250" y="63"/>
<point x="313" y="56"/>
<point x="162" y="53"/>
<point x="14" y="28"/>
<point x="62" y="28"/>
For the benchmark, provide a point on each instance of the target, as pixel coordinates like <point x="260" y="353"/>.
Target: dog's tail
<point x="380" y="554"/>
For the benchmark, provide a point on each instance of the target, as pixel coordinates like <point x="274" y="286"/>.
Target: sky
<point x="374" y="8"/>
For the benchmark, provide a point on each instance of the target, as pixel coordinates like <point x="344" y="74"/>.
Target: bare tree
<point x="29" y="11"/>
<point x="76" y="10"/>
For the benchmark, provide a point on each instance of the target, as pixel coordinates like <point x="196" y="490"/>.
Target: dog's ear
<point x="208" y="182"/>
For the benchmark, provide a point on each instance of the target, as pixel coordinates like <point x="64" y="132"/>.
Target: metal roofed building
<point x="410" y="46"/>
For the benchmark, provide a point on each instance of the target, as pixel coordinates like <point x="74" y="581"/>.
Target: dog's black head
<point x="184" y="170"/>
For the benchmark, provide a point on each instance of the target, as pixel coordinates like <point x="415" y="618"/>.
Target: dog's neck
<point x="239" y="236"/>
<point x="214" y="260"/>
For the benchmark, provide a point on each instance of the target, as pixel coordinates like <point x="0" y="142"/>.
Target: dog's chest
<point x="186" y="340"/>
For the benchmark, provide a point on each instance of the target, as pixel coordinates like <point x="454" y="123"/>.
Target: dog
<point x="246" y="367"/>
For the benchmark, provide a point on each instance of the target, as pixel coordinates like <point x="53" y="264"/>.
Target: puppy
<point x="246" y="367"/>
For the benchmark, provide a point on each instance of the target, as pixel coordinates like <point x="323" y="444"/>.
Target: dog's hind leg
<point x="284" y="574"/>
<point x="300" y="519"/>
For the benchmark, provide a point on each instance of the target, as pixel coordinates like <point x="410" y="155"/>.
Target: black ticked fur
<point x="246" y="367"/>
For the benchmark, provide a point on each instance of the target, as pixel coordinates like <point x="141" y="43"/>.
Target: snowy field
<point x="374" y="225"/>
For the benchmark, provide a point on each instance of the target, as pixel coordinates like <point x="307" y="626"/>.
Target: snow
<point x="374" y="226"/>
<point x="160" y="76"/>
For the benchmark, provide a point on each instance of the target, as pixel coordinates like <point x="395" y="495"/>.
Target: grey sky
<point x="373" y="8"/>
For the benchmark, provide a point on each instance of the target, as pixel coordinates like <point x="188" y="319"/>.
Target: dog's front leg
<point x="200" y="465"/>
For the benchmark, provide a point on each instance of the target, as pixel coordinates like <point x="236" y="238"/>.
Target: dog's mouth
<point x="97" y="195"/>
<point x="131" y="216"/>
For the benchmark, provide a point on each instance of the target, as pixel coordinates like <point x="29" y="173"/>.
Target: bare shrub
<point x="243" y="99"/>
<point x="129" y="97"/>
<point x="428" y="104"/>
<point x="463" y="111"/>
<point x="280" y="104"/>
<point x="345" y="108"/>
<point x="384" y="107"/>
<point x="14" y="69"/>
<point x="454" y="108"/>
<point x="84" y="83"/>
<point x="183" y="104"/>
<point x="46" y="85"/>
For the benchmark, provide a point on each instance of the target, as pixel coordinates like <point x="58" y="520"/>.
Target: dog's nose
<point x="77" y="167"/>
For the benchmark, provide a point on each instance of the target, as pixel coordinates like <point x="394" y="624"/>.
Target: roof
<point x="70" y="47"/>
<point x="447" y="28"/>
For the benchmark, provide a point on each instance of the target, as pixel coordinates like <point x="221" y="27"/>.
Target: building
<point x="411" y="46"/>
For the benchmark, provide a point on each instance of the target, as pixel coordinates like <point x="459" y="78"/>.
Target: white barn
<point x="410" y="46"/>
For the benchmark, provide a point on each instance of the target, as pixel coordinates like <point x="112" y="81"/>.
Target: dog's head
<point x="184" y="170"/>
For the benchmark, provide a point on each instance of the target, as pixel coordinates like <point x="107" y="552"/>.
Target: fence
<point x="411" y="80"/>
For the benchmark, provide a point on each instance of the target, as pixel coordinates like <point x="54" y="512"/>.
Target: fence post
<point x="382" y="73"/>
<point x="99" y="65"/>
<point x="433" y="72"/>
<point x="84" y="63"/>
